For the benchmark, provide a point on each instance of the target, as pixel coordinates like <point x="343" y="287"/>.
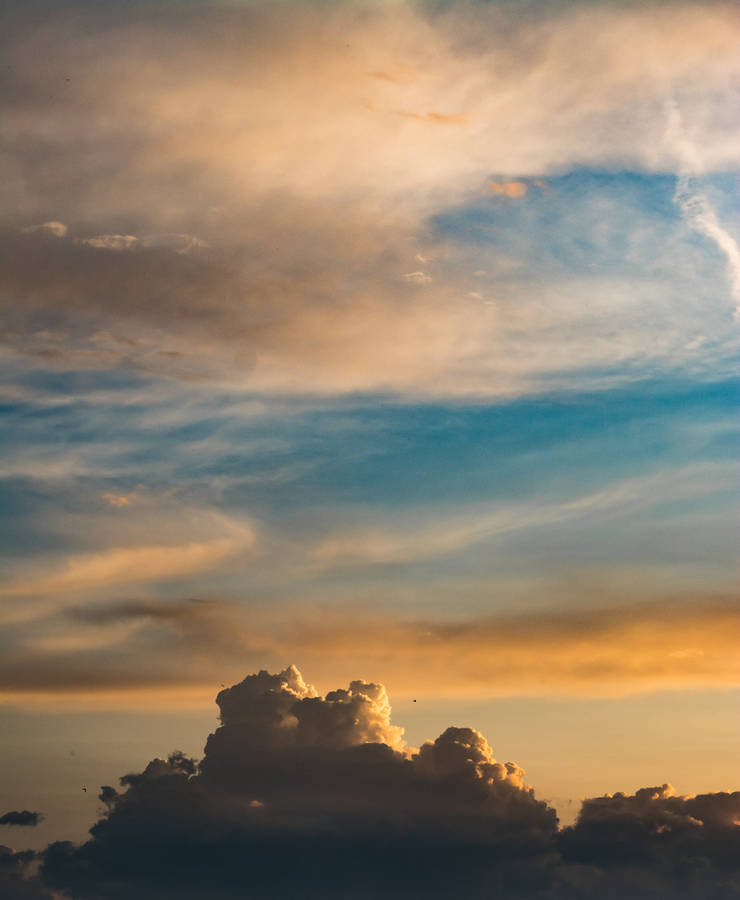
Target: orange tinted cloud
<point x="614" y="651"/>
<point x="512" y="189"/>
<point x="607" y="652"/>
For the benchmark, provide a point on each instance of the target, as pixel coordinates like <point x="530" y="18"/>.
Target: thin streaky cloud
<point x="694" y="203"/>
<point x="458" y="528"/>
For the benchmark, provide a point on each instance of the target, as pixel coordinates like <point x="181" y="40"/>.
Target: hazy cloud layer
<point x="303" y="795"/>
<point x="186" y="646"/>
<point x="207" y="218"/>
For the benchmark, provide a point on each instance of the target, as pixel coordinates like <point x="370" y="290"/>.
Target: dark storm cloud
<point x="300" y="795"/>
<point x="21" y="817"/>
<point x="657" y="844"/>
<point x="17" y="882"/>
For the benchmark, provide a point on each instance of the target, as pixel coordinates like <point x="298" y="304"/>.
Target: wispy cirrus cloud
<point x="452" y="530"/>
<point x="694" y="203"/>
<point x="128" y="565"/>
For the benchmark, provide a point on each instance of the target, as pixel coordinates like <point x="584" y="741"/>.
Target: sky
<point x="357" y="355"/>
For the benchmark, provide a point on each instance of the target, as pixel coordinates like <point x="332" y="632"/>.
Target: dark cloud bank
<point x="303" y="796"/>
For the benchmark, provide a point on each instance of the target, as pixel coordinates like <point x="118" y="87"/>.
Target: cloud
<point x="24" y="817"/>
<point x="610" y="651"/>
<point x="417" y="278"/>
<point x="324" y="784"/>
<point x="58" y="229"/>
<point x="179" y="243"/>
<point x="598" y="651"/>
<point x="111" y="241"/>
<point x="694" y="203"/>
<point x="436" y="118"/>
<point x="17" y="878"/>
<point x="654" y="840"/>
<point x="129" y="565"/>
<point x="116" y="500"/>
<point x="512" y="189"/>
<point x="284" y="270"/>
<point x="318" y="796"/>
<point x="450" y="531"/>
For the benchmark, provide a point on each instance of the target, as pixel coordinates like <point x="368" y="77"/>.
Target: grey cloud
<point x="139" y="609"/>
<point x="21" y="817"/>
<point x="654" y="843"/>
<point x="17" y="879"/>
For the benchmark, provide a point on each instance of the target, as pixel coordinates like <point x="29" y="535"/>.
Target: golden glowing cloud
<point x="586" y="652"/>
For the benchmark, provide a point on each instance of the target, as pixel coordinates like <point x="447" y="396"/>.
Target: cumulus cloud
<point x="653" y="840"/>
<point x="310" y="793"/>
<point x="21" y="817"/>
<point x="300" y="794"/>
